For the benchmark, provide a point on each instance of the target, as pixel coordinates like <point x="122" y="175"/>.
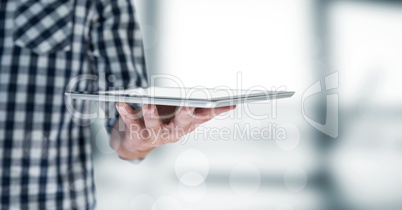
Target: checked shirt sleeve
<point x="117" y="49"/>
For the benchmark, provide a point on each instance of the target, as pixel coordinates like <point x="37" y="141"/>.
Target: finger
<point x="127" y="113"/>
<point x="184" y="118"/>
<point x="204" y="115"/>
<point x="152" y="120"/>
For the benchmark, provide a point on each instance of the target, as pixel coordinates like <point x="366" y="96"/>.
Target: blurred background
<point x="342" y="142"/>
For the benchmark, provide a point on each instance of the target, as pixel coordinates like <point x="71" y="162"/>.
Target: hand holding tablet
<point x="167" y="114"/>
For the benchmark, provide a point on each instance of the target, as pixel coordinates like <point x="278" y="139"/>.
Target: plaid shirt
<point x="45" y="151"/>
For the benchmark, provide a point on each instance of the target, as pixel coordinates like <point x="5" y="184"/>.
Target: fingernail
<point x="121" y="104"/>
<point x="151" y="108"/>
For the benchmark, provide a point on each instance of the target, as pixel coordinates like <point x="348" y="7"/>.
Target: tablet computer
<point x="189" y="97"/>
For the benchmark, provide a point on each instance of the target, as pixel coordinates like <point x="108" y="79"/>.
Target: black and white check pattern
<point x="43" y="27"/>
<point x="45" y="151"/>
